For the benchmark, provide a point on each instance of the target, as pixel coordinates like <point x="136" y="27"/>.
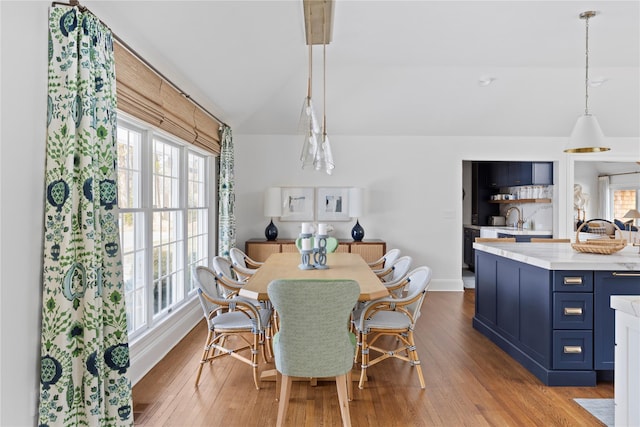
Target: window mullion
<point x="147" y="203"/>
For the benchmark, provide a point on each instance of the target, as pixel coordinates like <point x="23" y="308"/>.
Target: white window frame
<point x="148" y="134"/>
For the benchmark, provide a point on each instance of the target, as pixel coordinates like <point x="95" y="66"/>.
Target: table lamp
<point x="632" y="213"/>
<point x="355" y="210"/>
<point x="272" y="198"/>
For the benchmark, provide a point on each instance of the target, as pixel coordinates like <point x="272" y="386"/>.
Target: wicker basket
<point x="603" y="246"/>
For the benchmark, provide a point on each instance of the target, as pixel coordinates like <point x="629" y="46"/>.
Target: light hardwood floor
<point x="469" y="382"/>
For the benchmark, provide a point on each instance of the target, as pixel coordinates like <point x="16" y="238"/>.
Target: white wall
<point x="24" y="95"/>
<point x="413" y="188"/>
<point x="413" y="197"/>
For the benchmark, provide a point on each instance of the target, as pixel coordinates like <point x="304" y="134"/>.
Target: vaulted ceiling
<point x="396" y="67"/>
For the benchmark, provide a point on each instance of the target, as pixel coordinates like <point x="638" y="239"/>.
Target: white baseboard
<point x="146" y="351"/>
<point x="446" y="285"/>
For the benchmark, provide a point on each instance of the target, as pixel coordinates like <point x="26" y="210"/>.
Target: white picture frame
<point x="297" y="204"/>
<point x="332" y="204"/>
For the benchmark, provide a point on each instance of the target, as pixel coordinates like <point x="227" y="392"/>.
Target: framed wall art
<point x="297" y="204"/>
<point x="332" y="204"/>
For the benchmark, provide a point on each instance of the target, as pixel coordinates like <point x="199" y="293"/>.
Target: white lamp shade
<point x="356" y="199"/>
<point x="272" y="198"/>
<point x="632" y="213"/>
<point x="587" y="137"/>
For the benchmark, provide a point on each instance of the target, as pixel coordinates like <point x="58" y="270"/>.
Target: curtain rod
<point x="621" y="173"/>
<point x="75" y="3"/>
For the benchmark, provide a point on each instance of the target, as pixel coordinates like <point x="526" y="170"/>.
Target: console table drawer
<point x="573" y="350"/>
<point x="572" y="281"/>
<point x="572" y="310"/>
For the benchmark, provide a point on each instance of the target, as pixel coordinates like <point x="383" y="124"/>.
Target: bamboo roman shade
<point x="145" y="95"/>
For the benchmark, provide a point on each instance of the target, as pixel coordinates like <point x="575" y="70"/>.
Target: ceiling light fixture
<point x="308" y="122"/>
<point x="316" y="150"/>
<point x="587" y="137"/>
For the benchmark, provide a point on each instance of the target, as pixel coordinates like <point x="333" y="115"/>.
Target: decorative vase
<point x="271" y="232"/>
<point x="357" y="232"/>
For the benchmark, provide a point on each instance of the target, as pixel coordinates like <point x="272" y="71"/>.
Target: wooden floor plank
<point x="469" y="382"/>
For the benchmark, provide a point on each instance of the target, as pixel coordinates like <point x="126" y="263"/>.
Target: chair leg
<point x="254" y="359"/>
<point x="365" y="359"/>
<point x="285" y="393"/>
<point x="415" y="361"/>
<point x="341" y="384"/>
<point x="205" y="356"/>
<point x="349" y="386"/>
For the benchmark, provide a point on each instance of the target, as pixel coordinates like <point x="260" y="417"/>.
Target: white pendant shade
<point x="587" y="137"/>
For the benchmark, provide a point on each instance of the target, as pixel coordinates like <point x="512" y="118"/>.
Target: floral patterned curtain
<point x="226" y="196"/>
<point x="85" y="352"/>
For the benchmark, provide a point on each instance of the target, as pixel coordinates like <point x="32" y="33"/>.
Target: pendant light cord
<point x="586" y="75"/>
<point x="324" y="73"/>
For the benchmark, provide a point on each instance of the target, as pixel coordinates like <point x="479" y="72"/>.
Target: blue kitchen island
<point x="548" y="306"/>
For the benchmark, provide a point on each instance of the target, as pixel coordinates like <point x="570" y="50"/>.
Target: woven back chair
<point x="386" y="260"/>
<point x="242" y="260"/>
<point x="394" y="317"/>
<point x="313" y="338"/>
<point x="397" y="270"/>
<point x="237" y="328"/>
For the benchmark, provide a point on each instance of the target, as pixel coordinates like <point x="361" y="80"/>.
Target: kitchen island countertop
<point x="561" y="256"/>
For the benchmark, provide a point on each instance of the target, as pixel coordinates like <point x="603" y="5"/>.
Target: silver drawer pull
<point x="573" y="280"/>
<point x="626" y="274"/>
<point x="573" y="311"/>
<point x="572" y="349"/>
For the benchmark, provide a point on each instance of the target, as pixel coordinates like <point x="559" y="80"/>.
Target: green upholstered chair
<point x="332" y="244"/>
<point x="395" y="317"/>
<point x="313" y="340"/>
<point x="230" y="316"/>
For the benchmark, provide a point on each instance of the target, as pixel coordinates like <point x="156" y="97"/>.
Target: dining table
<point x="340" y="266"/>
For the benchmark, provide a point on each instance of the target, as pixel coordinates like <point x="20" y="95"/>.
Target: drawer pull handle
<point x="626" y="274"/>
<point x="573" y="311"/>
<point x="572" y="349"/>
<point x="573" y="280"/>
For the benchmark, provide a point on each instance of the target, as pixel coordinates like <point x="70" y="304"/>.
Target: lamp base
<point x="271" y="232"/>
<point x="357" y="232"/>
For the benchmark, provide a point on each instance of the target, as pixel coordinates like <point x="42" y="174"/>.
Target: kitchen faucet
<point x="520" y="222"/>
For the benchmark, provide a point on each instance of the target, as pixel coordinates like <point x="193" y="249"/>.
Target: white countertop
<point x="512" y="230"/>
<point x="629" y="304"/>
<point x="561" y="256"/>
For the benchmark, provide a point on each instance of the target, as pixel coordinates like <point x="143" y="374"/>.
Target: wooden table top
<point x="341" y="266"/>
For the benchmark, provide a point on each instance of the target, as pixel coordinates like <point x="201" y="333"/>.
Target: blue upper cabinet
<point x="514" y="174"/>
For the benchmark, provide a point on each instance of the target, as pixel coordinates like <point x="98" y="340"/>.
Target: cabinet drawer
<point x="572" y="350"/>
<point x="572" y="281"/>
<point x="572" y="310"/>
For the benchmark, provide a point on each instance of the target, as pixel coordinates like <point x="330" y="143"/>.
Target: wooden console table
<point x="260" y="249"/>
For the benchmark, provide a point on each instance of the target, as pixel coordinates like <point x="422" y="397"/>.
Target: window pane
<point x="166" y="175"/>
<point x="197" y="253"/>
<point x="133" y="266"/>
<point x="129" y="168"/>
<point x="168" y="262"/>
<point x="623" y="200"/>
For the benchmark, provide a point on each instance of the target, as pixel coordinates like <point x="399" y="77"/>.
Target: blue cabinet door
<point x="508" y="298"/>
<point x="535" y="313"/>
<point x="486" y="287"/>
<point x="609" y="283"/>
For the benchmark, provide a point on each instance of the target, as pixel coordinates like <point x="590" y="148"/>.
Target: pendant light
<point x="308" y="122"/>
<point x="587" y="137"/>
<point x="316" y="149"/>
<point x="324" y="156"/>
